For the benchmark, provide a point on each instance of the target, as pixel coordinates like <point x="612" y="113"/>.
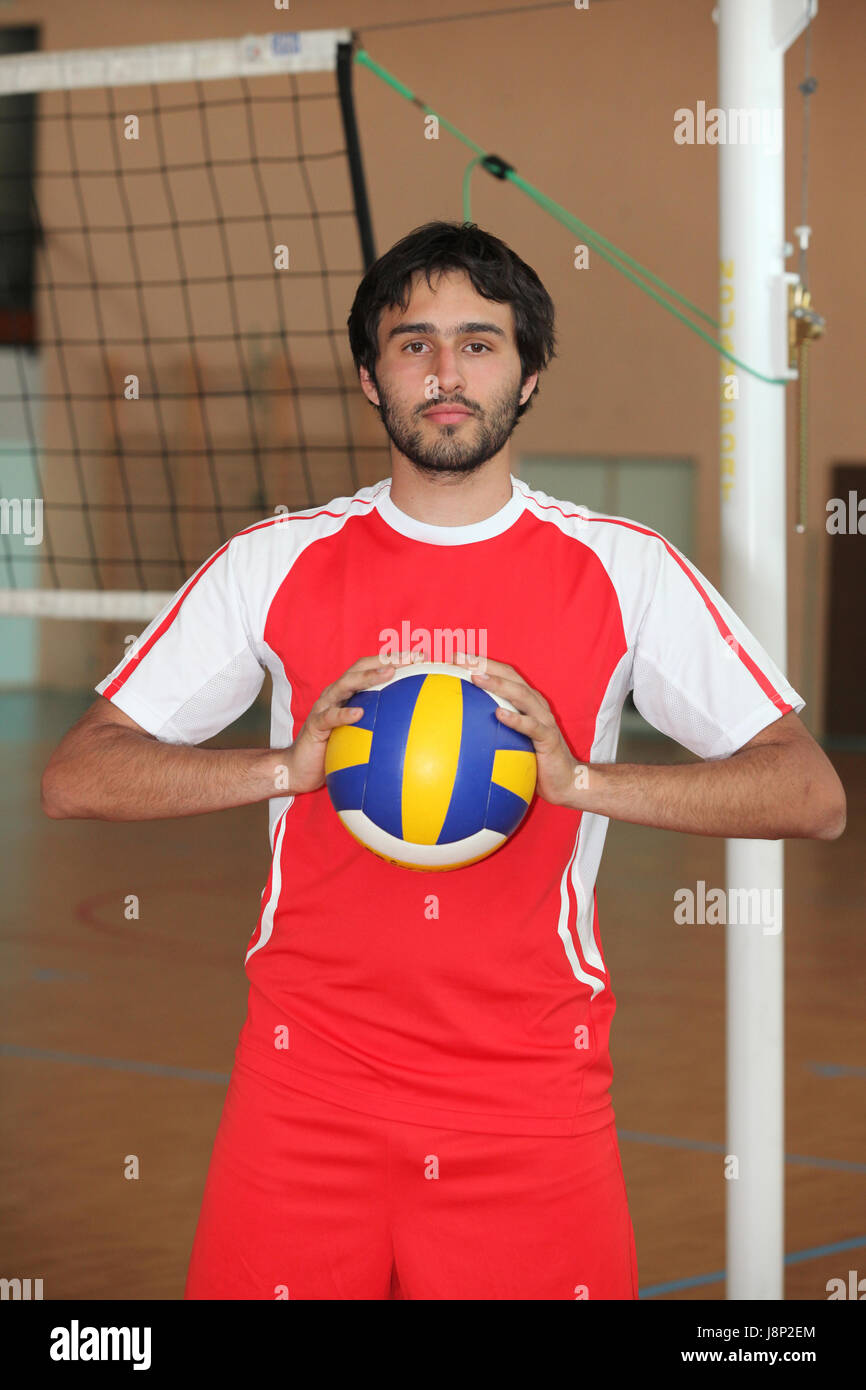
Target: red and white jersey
<point x="476" y="999"/>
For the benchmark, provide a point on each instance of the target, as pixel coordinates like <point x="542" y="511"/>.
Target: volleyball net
<point x="177" y="262"/>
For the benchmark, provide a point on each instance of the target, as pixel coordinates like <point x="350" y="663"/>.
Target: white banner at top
<point x="251" y="56"/>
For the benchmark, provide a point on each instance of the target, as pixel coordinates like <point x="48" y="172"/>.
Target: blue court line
<point x="50" y="973"/>
<point x="80" y="1059"/>
<point x="633" y="1136"/>
<point x="834" y="1069"/>
<point x="629" y="1136"/>
<point x="674" y="1285"/>
<point x="796" y="1258"/>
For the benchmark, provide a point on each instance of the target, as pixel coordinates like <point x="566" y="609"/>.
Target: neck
<point x="451" y="500"/>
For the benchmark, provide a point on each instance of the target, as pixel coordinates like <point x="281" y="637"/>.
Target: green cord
<point x="606" y="249"/>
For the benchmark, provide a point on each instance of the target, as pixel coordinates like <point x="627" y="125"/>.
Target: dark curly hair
<point x="495" y="270"/>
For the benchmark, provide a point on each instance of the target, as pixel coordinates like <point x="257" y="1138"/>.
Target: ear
<point x="368" y="386"/>
<point x="528" y="387"/>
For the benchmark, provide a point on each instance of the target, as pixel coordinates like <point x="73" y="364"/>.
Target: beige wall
<point x="582" y="103"/>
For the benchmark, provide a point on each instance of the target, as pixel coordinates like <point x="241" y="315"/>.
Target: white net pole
<point x="752" y="40"/>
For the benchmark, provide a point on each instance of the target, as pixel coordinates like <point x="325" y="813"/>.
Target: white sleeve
<point x="698" y="674"/>
<point x="196" y="667"/>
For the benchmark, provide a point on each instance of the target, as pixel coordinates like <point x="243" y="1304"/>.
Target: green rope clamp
<point x="499" y="168"/>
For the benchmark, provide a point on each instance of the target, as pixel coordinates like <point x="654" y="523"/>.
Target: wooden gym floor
<point x="118" y="1036"/>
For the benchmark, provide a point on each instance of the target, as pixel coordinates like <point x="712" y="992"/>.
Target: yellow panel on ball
<point x="347" y="747"/>
<point x="430" y="762"/>
<point x="517" y="770"/>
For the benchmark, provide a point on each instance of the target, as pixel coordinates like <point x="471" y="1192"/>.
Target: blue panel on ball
<point x="510" y="738"/>
<point x="368" y="701"/>
<point x="468" y="805"/>
<point x="346" y="787"/>
<point x="384" y="797"/>
<point x="504" y="810"/>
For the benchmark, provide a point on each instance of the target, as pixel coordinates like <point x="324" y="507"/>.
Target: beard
<point x="450" y="449"/>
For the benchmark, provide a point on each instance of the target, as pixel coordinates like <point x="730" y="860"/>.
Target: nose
<point x="448" y="370"/>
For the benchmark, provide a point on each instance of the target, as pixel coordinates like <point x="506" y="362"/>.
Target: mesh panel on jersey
<point x="218" y="703"/>
<point x="663" y="706"/>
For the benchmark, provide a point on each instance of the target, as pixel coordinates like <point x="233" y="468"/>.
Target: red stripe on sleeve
<point x="123" y="675"/>
<point x="772" y="694"/>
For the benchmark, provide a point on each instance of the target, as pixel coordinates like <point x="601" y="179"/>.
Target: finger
<point x="354" y="680"/>
<point x="377" y="661"/>
<point x="369" y="671"/>
<point x="384" y="669"/>
<point x="515" y="690"/>
<point x="485" y="663"/>
<point x="342" y="714"/>
<point x="401" y="658"/>
<point x="368" y="663"/>
<point x="380" y="667"/>
<point x="383" y="661"/>
<point x="536" y="730"/>
<point x="336" y="695"/>
<point x="325" y="720"/>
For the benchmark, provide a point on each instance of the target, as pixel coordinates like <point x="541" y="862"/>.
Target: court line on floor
<point x="633" y="1136"/>
<point x="81" y="1059"/>
<point x="795" y="1258"/>
<point x="654" y="1291"/>
<point x="835" y="1069"/>
<point x="628" y="1136"/>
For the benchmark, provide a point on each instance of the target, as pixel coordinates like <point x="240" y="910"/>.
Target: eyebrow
<point x="431" y="329"/>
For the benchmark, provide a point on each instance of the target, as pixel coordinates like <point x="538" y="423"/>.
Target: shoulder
<point x="620" y="542"/>
<point x="286" y="531"/>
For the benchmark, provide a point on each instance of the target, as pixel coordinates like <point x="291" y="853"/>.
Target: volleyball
<point x="428" y="777"/>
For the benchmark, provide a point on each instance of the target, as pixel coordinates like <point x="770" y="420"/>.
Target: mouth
<point x="447" y="414"/>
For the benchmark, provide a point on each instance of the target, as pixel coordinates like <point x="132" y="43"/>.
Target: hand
<point x="559" y="773"/>
<point x="306" y="755"/>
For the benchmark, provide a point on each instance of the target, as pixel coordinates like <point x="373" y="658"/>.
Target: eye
<point x="417" y="342"/>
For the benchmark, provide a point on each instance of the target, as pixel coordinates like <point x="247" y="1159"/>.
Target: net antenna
<point x="198" y="227"/>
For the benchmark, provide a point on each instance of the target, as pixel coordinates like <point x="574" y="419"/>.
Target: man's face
<point x="466" y="344"/>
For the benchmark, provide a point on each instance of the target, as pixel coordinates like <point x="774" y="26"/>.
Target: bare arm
<point x="107" y="767"/>
<point x="780" y="785"/>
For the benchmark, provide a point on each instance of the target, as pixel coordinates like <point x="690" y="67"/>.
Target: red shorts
<point x="305" y="1199"/>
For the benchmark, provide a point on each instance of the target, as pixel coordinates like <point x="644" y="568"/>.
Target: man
<point x="419" y="1105"/>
